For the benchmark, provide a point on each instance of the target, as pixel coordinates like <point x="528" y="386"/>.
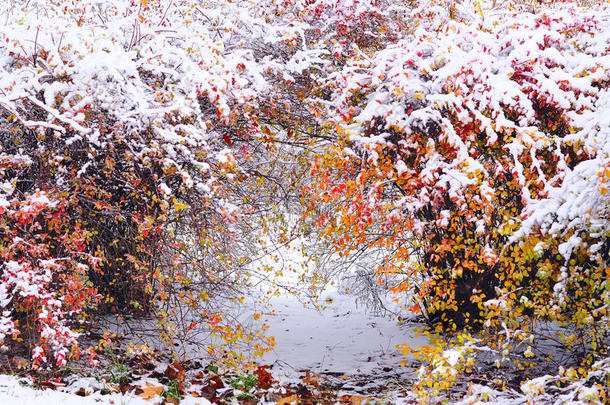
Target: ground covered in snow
<point x="342" y="340"/>
<point x="330" y="349"/>
<point x="343" y="348"/>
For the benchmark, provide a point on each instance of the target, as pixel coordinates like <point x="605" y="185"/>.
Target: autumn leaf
<point x="175" y="371"/>
<point x="264" y="377"/>
<point x="293" y="399"/>
<point x="150" y="391"/>
<point x="355" y="399"/>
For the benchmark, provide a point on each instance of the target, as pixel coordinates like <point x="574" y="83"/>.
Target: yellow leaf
<point x="288" y="400"/>
<point x="358" y="399"/>
<point x="150" y="391"/>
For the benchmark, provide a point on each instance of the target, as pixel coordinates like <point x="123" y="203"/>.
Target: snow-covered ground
<point x="342" y="339"/>
<point x="13" y="392"/>
<point x="344" y="345"/>
<point x="339" y="340"/>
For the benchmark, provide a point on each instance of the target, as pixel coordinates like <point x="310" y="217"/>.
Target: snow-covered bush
<point x="113" y="158"/>
<point x="473" y="150"/>
<point x="456" y="151"/>
<point x="44" y="289"/>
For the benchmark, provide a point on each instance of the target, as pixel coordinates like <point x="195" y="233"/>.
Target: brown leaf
<point x="208" y="392"/>
<point x="149" y="391"/>
<point x="81" y="392"/>
<point x="214" y="384"/>
<point x="303" y="391"/>
<point x="288" y="400"/>
<point x="175" y="371"/>
<point x="264" y="377"/>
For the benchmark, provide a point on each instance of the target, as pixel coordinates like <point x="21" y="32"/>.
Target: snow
<point x="17" y="391"/>
<point x="343" y="338"/>
<point x="14" y="393"/>
<point x="333" y="335"/>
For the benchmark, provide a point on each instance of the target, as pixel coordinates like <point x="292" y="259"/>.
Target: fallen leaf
<point x="149" y="391"/>
<point x="124" y="388"/>
<point x="175" y="371"/>
<point x="214" y="384"/>
<point x="288" y="400"/>
<point x="357" y="399"/>
<point x="354" y="399"/>
<point x="264" y="377"/>
<point x="81" y="392"/>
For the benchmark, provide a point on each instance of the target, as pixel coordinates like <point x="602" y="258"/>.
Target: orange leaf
<point x="288" y="400"/>
<point x="150" y="391"/>
<point x="355" y="399"/>
<point x="264" y="377"/>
